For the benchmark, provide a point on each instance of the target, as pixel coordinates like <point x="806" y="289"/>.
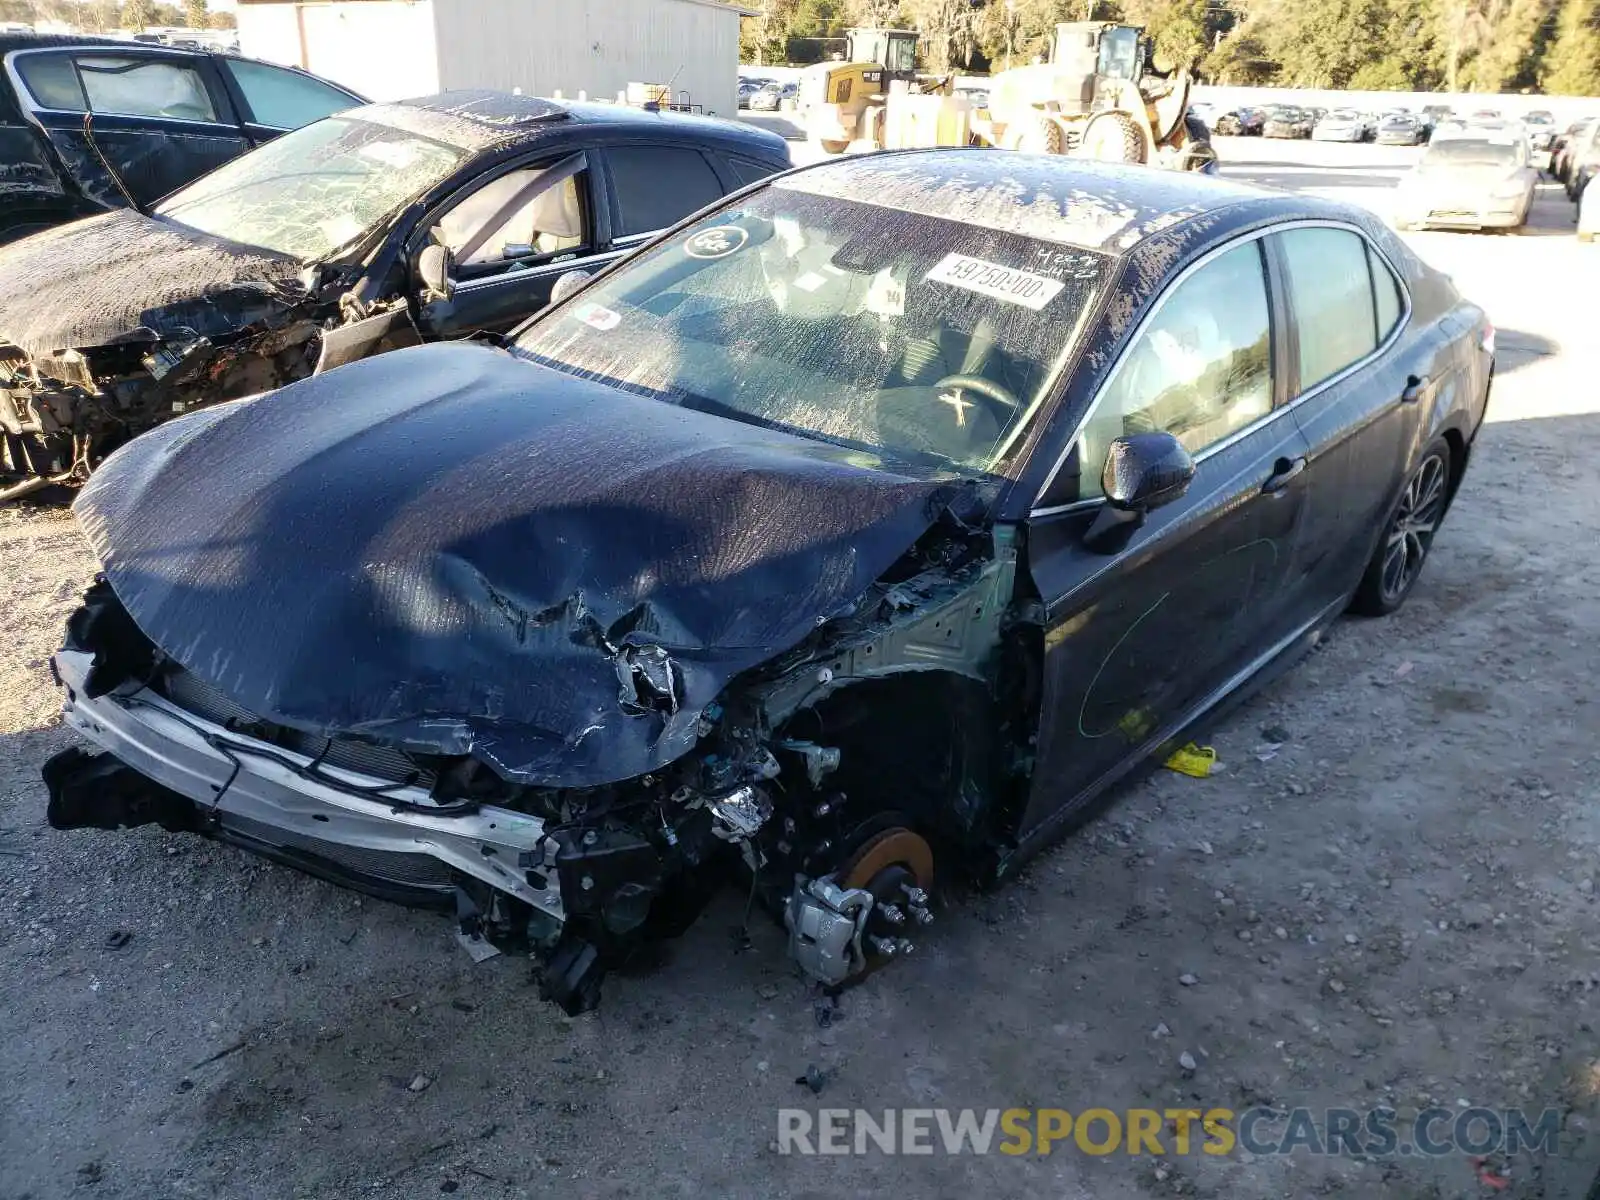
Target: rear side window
<point x="52" y="81"/>
<point x="747" y="172"/>
<point x="1331" y="285"/>
<point x="144" y="87"/>
<point x="658" y="186"/>
<point x="285" y="99"/>
<point x="1386" y="291"/>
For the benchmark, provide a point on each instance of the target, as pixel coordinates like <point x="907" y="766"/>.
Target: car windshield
<point x="313" y="191"/>
<point x="1343" y="114"/>
<point x="916" y="339"/>
<point x="1470" y="152"/>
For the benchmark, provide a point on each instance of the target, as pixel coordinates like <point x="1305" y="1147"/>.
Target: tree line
<point x="1550" y="46"/>
<point x="103" y="16"/>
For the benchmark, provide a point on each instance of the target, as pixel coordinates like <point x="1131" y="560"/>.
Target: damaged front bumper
<point x="359" y="829"/>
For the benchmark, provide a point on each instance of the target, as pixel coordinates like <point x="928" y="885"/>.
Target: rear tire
<point x="1113" y="137"/>
<point x="1408" y="534"/>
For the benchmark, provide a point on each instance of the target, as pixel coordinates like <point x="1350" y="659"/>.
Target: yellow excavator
<point x="1097" y="96"/>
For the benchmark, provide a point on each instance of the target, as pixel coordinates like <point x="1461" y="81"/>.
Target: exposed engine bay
<point x="782" y="793"/>
<point x="62" y="413"/>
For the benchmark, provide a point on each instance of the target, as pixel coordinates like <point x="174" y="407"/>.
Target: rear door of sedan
<point x="1141" y="636"/>
<point x="1360" y="378"/>
<point x="136" y="117"/>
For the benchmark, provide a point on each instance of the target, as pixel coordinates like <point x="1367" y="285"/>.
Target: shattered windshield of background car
<point x="898" y="333"/>
<point x="312" y="191"/>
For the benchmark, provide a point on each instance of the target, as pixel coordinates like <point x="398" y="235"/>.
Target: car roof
<point x="480" y="119"/>
<point x="53" y="41"/>
<point x="1107" y="207"/>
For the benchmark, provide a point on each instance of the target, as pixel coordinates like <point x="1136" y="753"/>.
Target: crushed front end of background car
<point x="113" y="324"/>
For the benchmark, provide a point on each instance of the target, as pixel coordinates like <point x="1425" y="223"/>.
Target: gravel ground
<point x="1397" y="907"/>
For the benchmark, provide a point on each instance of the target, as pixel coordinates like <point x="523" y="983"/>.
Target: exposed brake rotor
<point x="896" y="867"/>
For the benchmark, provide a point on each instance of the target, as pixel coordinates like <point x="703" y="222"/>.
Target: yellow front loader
<point x="1096" y="97"/>
<point x="874" y="99"/>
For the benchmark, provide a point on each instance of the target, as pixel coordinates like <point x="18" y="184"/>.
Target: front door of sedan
<point x="1140" y="635"/>
<point x="509" y="239"/>
<point x="130" y="122"/>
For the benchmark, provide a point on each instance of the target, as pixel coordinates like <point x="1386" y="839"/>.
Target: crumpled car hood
<point x="467" y="553"/>
<point x="122" y="277"/>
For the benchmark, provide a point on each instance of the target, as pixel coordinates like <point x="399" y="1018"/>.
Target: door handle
<point x="1283" y="471"/>
<point x="1416" y="386"/>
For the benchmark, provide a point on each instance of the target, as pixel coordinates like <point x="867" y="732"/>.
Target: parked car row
<point x="766" y="95"/>
<point x="1392" y="127"/>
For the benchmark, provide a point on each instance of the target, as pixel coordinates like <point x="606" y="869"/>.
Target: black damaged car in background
<point x="88" y="124"/>
<point x="377" y="228"/>
<point x="850" y="540"/>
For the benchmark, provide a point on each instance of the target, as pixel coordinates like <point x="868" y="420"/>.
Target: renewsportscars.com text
<point x="1373" y="1133"/>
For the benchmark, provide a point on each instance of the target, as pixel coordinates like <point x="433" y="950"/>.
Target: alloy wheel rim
<point x="1411" y="531"/>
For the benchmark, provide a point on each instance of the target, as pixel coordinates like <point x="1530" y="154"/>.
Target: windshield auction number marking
<point x="1006" y="284"/>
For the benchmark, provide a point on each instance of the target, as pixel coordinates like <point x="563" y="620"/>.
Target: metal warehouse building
<point x="390" y="49"/>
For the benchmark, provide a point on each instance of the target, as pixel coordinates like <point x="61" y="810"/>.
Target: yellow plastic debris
<point x="1198" y="761"/>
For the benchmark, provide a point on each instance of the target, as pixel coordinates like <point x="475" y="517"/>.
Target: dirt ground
<point x="1397" y="907"/>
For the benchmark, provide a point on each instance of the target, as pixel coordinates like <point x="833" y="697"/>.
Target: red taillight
<point x="1488" y="339"/>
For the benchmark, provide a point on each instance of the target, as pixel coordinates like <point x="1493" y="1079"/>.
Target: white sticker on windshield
<point x="398" y="155"/>
<point x="998" y="283"/>
<point x="597" y="316"/>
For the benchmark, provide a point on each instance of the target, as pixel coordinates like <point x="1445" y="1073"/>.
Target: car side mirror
<point x="435" y="265"/>
<point x="1143" y="472"/>
<point x="568" y="284"/>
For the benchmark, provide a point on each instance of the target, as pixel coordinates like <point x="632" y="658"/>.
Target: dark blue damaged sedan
<point x="851" y="538"/>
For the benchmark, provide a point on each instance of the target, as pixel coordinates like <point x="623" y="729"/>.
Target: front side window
<point x="523" y="214"/>
<point x="316" y="190"/>
<point x="285" y="99"/>
<point x="143" y="87"/>
<point x="925" y="341"/>
<point x="1200" y="370"/>
<point x="1331" y="287"/>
